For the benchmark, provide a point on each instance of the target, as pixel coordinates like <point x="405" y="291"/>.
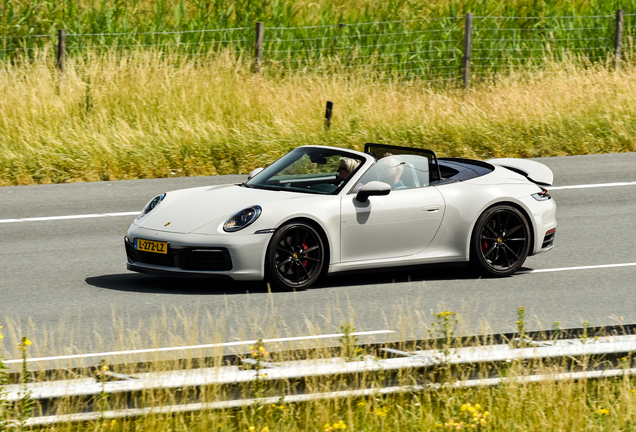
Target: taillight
<point x="542" y="196"/>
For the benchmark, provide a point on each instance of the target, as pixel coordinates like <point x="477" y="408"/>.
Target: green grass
<point x="401" y="37"/>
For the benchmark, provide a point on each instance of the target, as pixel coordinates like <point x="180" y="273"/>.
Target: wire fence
<point x="443" y="49"/>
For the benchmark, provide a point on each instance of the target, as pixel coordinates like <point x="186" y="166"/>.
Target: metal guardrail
<point x="296" y="378"/>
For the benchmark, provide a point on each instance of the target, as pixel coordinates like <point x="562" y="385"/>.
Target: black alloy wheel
<point x="500" y="242"/>
<point x="295" y="257"/>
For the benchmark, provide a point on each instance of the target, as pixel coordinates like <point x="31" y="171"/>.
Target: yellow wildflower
<point x="251" y="429"/>
<point x="24" y="344"/>
<point x="381" y="412"/>
<point x="603" y="411"/>
<point x="338" y="425"/>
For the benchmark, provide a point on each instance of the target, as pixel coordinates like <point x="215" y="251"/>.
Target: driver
<point x="345" y="168"/>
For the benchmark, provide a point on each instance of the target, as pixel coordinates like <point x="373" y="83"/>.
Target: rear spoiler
<point x="534" y="171"/>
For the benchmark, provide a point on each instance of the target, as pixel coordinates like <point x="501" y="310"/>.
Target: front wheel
<point x="295" y="257"/>
<point x="500" y="242"/>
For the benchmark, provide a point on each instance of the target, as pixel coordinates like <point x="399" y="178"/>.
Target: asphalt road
<point x="64" y="283"/>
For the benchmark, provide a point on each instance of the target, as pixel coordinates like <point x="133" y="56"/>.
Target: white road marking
<point x="577" y="268"/>
<point x="587" y="186"/>
<point x="192" y="347"/>
<point x="135" y="213"/>
<point x="82" y="216"/>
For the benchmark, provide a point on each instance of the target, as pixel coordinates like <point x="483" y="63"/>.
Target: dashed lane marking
<point x="577" y="268"/>
<point x="135" y="213"/>
<point x="587" y="186"/>
<point x="82" y="216"/>
<point x="194" y="347"/>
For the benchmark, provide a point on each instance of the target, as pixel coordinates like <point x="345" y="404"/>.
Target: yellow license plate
<point x="151" y="246"/>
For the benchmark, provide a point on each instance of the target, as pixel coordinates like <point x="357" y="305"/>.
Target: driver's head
<point x="347" y="166"/>
<point x="390" y="169"/>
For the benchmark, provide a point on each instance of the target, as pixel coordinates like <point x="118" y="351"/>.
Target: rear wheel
<point x="295" y="257"/>
<point x="500" y="242"/>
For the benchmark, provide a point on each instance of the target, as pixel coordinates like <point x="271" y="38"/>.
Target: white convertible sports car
<point x="321" y="210"/>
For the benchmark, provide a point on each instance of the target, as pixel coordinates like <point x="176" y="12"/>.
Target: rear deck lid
<point x="534" y="171"/>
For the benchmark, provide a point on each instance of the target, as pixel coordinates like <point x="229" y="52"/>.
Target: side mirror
<point x="372" y="189"/>
<point x="254" y="173"/>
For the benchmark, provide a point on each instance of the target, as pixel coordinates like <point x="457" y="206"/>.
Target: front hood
<point x="188" y="210"/>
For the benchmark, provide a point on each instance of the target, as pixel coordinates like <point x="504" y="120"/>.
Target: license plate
<point x="151" y="246"/>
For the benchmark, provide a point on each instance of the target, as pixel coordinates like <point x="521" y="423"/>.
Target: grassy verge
<point x="114" y="118"/>
<point x="598" y="405"/>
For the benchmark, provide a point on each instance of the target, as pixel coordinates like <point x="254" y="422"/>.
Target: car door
<point x="399" y="224"/>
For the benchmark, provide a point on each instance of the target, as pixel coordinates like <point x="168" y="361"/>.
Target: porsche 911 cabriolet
<point x="320" y="210"/>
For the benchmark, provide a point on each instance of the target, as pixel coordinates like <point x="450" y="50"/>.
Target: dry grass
<point x="608" y="404"/>
<point x="142" y="117"/>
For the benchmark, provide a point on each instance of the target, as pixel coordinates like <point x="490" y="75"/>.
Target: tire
<point x="500" y="242"/>
<point x="295" y="257"/>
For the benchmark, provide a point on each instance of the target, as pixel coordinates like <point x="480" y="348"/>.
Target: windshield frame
<point x="263" y="180"/>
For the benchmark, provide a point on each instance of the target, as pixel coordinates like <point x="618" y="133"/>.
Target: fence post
<point x="468" y="50"/>
<point x="258" y="46"/>
<point x="61" y="49"/>
<point x="328" y="114"/>
<point x="618" y="38"/>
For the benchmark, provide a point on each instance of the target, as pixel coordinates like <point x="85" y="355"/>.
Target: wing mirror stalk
<point x="374" y="188"/>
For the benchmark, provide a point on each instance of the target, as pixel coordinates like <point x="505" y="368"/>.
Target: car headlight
<point x="152" y="204"/>
<point x="242" y="219"/>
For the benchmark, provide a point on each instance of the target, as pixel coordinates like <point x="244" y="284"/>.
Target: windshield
<point x="309" y="170"/>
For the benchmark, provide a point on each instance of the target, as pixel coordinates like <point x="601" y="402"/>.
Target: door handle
<point x="431" y="208"/>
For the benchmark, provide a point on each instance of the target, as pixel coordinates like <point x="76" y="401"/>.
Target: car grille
<point x="202" y="259"/>
<point x="212" y="259"/>
<point x="548" y="240"/>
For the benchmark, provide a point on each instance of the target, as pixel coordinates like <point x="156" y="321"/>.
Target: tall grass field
<point x="110" y="118"/>
<point x="137" y="99"/>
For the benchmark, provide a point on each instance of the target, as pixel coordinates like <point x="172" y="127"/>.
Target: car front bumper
<point x="235" y="256"/>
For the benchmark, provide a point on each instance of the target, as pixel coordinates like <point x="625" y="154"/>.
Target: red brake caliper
<point x="305" y="248"/>
<point x="484" y="246"/>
